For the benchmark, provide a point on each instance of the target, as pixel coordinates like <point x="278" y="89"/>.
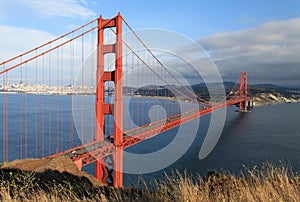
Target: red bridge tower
<point x="109" y="170"/>
<point x="244" y="94"/>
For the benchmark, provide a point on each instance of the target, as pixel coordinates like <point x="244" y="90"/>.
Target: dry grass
<point x="267" y="184"/>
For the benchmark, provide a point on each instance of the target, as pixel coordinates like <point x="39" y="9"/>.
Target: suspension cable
<point x="148" y="66"/>
<point x="139" y="39"/>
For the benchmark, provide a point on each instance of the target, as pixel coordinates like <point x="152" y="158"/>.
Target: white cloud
<point x="16" y="40"/>
<point x="269" y="52"/>
<point x="63" y="8"/>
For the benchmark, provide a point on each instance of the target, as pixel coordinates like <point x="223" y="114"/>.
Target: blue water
<point x="56" y="119"/>
<point x="268" y="133"/>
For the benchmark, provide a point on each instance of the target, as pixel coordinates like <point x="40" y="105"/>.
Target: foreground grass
<point x="270" y="183"/>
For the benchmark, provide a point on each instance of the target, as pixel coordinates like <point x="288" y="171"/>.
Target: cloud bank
<point x="269" y="52"/>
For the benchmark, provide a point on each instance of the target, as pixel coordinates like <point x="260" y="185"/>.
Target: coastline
<point x="260" y="99"/>
<point x="264" y="99"/>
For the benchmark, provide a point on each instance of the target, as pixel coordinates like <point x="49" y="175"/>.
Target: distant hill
<point x="201" y="89"/>
<point x="231" y="84"/>
<point x="266" y="86"/>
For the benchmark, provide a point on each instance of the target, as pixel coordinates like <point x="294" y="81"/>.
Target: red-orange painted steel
<point x="103" y="108"/>
<point x="118" y="107"/>
<point x="243" y="90"/>
<point x="148" y="132"/>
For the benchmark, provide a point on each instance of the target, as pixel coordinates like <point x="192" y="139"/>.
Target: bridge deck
<point x="88" y="153"/>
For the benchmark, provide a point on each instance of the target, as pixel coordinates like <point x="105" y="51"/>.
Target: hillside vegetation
<point x="267" y="184"/>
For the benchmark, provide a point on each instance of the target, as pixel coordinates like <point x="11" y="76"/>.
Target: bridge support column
<point x="103" y="108"/>
<point x="243" y="91"/>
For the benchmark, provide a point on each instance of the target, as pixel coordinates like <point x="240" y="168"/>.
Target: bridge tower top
<point x="243" y="85"/>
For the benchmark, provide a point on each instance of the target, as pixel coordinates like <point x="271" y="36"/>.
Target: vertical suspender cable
<point x="126" y="80"/>
<point x="6" y="117"/>
<point x="43" y="109"/>
<point x="21" y="115"/>
<point x="26" y="111"/>
<point x="62" y="97"/>
<point x="57" y="102"/>
<point x="165" y="97"/>
<point x="3" y="117"/>
<point x="148" y="93"/>
<point x="82" y="89"/>
<point x="50" y="105"/>
<point x="137" y="86"/>
<point x="71" y="93"/>
<point x="5" y="113"/>
<point x="92" y="130"/>
<point x="133" y="91"/>
<point x="36" y="107"/>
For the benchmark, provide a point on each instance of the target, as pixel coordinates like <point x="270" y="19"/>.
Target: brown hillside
<point x="58" y="167"/>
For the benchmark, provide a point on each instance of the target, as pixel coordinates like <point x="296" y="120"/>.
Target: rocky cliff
<point x="274" y="98"/>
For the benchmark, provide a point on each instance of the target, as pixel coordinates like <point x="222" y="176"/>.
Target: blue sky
<point x="208" y="22"/>
<point x="193" y="18"/>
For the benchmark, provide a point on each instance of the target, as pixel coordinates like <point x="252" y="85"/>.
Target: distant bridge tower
<point x="244" y="94"/>
<point x="109" y="169"/>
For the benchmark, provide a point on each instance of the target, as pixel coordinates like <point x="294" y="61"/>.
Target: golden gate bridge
<point x="39" y="121"/>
